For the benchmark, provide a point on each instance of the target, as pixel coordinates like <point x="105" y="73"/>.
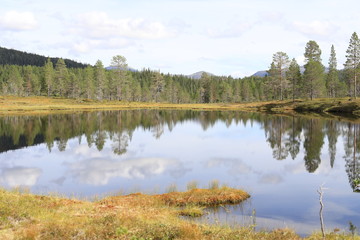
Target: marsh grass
<point x="171" y="188"/>
<point x="192" y="185"/>
<point x="326" y="107"/>
<point x="214" y="184"/>
<point x="134" y="216"/>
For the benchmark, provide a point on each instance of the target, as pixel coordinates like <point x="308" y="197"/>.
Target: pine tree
<point x="294" y="76"/>
<point x="61" y="77"/>
<point x="352" y="62"/>
<point x="119" y="67"/>
<point x="15" y="81"/>
<point x="157" y="85"/>
<point x="49" y="76"/>
<point x="313" y="84"/>
<point x="100" y="79"/>
<point x="278" y="72"/>
<point x="270" y="86"/>
<point x="332" y="78"/>
<point x="89" y="82"/>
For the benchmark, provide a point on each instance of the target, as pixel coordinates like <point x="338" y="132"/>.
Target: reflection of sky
<point x="283" y="192"/>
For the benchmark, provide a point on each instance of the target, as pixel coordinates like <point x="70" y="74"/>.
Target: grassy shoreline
<point x="135" y="216"/>
<point x="10" y="105"/>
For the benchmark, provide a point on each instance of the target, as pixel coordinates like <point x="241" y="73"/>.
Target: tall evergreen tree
<point x="157" y="85"/>
<point x="352" y="62"/>
<point x="100" y="79"/>
<point x="61" y="77"/>
<point x="313" y="84"/>
<point x="281" y="65"/>
<point x="49" y="76"/>
<point x="332" y="78"/>
<point x="294" y="76"/>
<point x="119" y="65"/>
<point x="15" y="81"/>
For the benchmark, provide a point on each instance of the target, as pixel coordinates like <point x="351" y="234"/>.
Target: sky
<point x="223" y="37"/>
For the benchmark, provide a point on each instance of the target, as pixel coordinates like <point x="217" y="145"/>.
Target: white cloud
<point x="99" y="171"/>
<point x="315" y="28"/>
<point x="86" y="45"/>
<point x="20" y="176"/>
<point x="234" y="30"/>
<point x="98" y="25"/>
<point x="18" y="21"/>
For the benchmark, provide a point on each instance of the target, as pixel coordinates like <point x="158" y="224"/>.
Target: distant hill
<point x="264" y="73"/>
<point x="15" y="57"/>
<point x="198" y="75"/>
<point x="260" y="74"/>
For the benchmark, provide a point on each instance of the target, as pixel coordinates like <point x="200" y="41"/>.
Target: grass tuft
<point x="192" y="185"/>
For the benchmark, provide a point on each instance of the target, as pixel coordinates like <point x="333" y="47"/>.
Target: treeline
<point x="15" y="57"/>
<point x="96" y="82"/>
<point x="284" y="81"/>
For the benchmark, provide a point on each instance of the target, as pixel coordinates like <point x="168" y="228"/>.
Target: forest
<point x="24" y="76"/>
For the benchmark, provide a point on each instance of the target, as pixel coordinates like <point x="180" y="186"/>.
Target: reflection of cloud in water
<point x="332" y="211"/>
<point x="236" y="166"/>
<point x="85" y="151"/>
<point x="295" y="168"/>
<point x="99" y="171"/>
<point x="20" y="176"/>
<point x="271" y="178"/>
<point x="59" y="181"/>
<point x="268" y="223"/>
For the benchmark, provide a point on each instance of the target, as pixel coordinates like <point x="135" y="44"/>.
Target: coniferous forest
<point x="23" y="74"/>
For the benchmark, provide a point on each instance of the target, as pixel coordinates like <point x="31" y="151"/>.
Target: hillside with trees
<point x="15" y="57"/>
<point x="284" y="80"/>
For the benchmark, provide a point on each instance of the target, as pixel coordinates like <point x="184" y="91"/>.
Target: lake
<point x="280" y="160"/>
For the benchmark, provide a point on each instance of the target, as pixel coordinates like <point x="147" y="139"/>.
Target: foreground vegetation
<point x="134" y="216"/>
<point x="32" y="105"/>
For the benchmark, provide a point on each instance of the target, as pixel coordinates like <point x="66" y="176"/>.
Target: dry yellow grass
<point x="135" y="216"/>
<point x="44" y="105"/>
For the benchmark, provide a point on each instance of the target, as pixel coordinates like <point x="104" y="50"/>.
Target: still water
<point x="281" y="161"/>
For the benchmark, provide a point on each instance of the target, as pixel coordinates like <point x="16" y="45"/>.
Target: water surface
<point x="281" y="161"/>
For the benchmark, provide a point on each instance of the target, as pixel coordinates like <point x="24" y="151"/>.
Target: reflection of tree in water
<point x="275" y="132"/>
<point x="120" y="142"/>
<point x="314" y="140"/>
<point x="284" y="134"/>
<point x="293" y="139"/>
<point x="332" y="132"/>
<point x="352" y="154"/>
